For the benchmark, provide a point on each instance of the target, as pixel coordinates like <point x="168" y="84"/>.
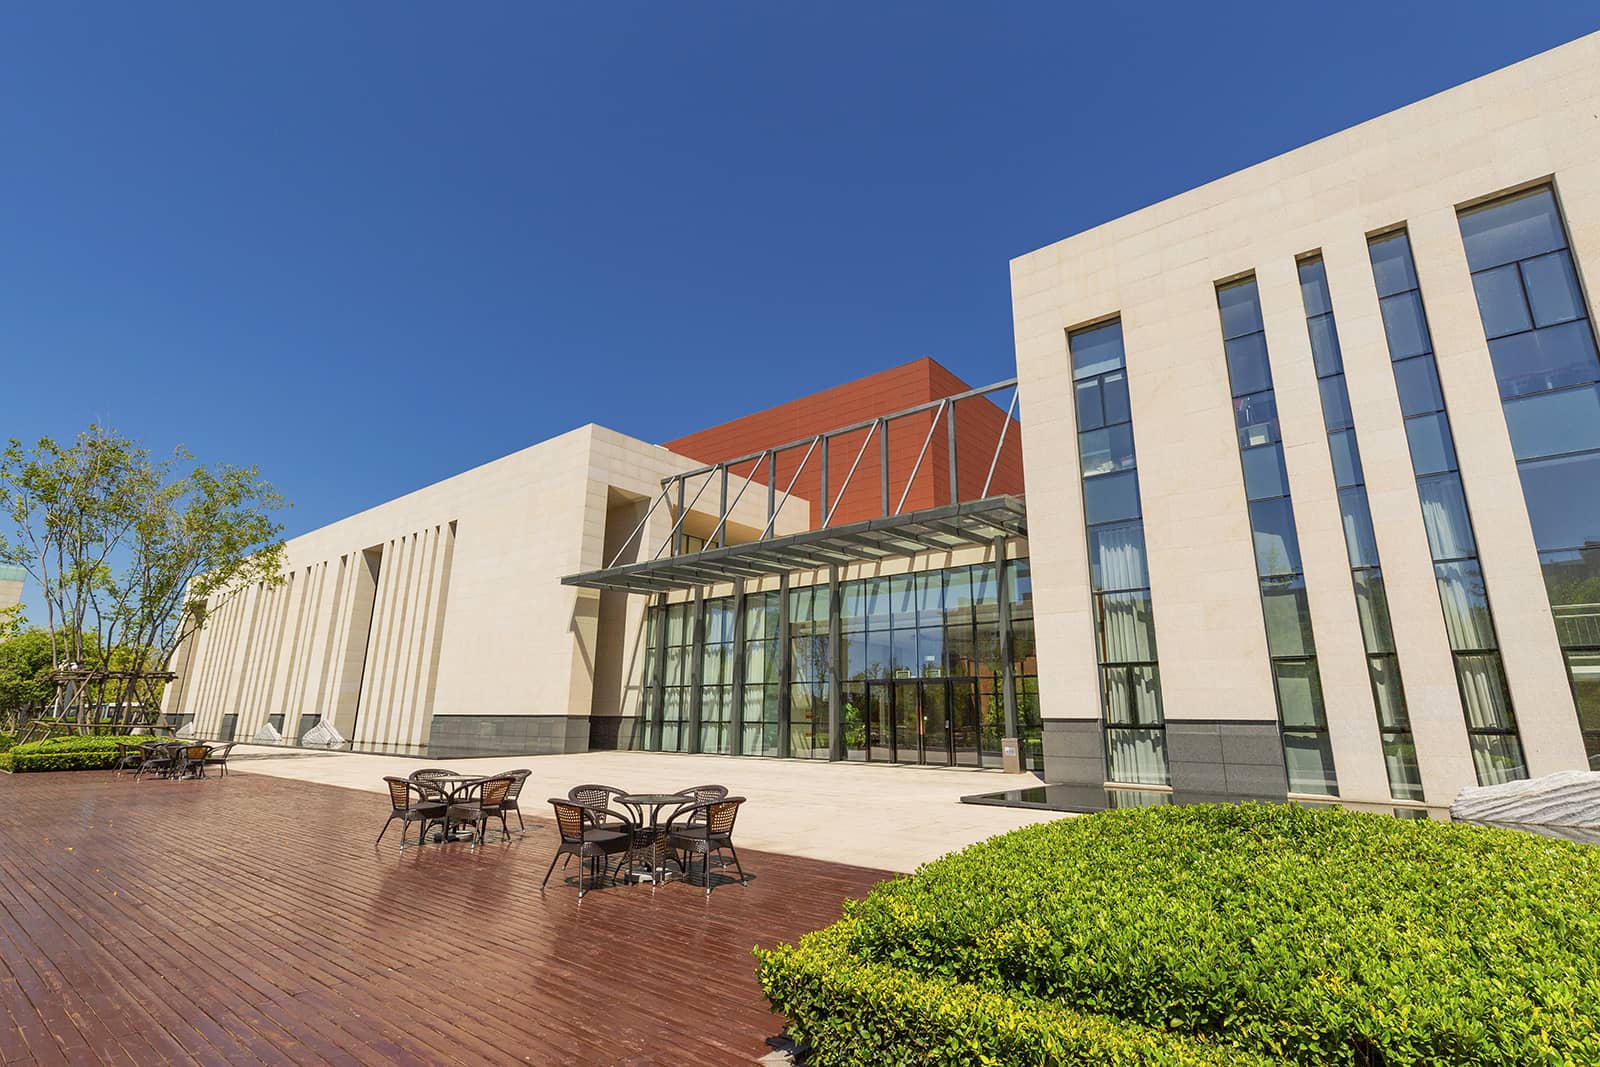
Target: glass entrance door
<point x="935" y="722"/>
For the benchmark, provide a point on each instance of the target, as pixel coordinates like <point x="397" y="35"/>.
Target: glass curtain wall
<point x="923" y="675"/>
<point x="1124" y="620"/>
<point x="1542" y="346"/>
<point x="716" y="676"/>
<point x="1307" y="754"/>
<point x="761" y="674"/>
<point x="1024" y="666"/>
<point x="810" y="673"/>
<point x="1480" y="675"/>
<point x="1361" y="545"/>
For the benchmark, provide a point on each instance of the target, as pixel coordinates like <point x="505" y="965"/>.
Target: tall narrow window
<point x="1543" y="350"/>
<point x="676" y="684"/>
<point x="1361" y="546"/>
<point x="761" y="674"/>
<point x="716" y="675"/>
<point x="1125" y="636"/>
<point x="1307" y="755"/>
<point x="1480" y="676"/>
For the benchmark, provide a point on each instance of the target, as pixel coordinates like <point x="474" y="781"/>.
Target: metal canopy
<point x="976" y="522"/>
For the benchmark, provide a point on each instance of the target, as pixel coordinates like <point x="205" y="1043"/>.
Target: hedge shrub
<point x="1305" y="936"/>
<point x="71" y="753"/>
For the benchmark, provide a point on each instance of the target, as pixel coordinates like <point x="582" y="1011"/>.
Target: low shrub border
<point x="72" y="753"/>
<point x="1305" y="936"/>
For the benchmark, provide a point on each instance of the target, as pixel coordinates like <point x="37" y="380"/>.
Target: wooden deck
<point x="251" y="920"/>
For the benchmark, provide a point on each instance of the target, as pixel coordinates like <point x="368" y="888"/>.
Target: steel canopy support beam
<point x="836" y="679"/>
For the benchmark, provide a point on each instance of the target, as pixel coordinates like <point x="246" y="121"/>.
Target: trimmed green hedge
<point x="70" y="753"/>
<point x="1304" y="936"/>
<point x="6" y="741"/>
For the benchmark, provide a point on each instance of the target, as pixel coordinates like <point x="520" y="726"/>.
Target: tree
<point x="132" y="555"/>
<point x="25" y="670"/>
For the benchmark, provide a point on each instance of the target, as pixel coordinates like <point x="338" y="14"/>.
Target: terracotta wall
<point x="978" y="424"/>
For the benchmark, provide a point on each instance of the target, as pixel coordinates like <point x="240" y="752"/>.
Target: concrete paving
<point x="872" y="815"/>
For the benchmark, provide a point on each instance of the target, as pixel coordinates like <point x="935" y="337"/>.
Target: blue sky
<point x="368" y="246"/>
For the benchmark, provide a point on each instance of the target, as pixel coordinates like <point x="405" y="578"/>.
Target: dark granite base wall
<point x="1221" y="756"/>
<point x="615" y="732"/>
<point x="1074" y="752"/>
<point x="507" y="735"/>
<point x="1239" y="758"/>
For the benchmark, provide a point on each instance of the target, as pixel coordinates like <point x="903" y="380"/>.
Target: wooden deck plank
<point x="252" y="921"/>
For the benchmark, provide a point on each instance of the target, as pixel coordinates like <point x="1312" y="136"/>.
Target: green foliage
<point x="7" y="741"/>
<point x="855" y="1011"/>
<point x="73" y="753"/>
<point x="25" y="666"/>
<point x="1307" y="936"/>
<point x="133" y="551"/>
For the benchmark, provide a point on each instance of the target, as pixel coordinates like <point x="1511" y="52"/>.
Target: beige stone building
<point x="1312" y="507"/>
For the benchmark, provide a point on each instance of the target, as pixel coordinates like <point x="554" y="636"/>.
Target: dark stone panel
<point x="1208" y="777"/>
<point x="1217" y="756"/>
<point x="1257" y="779"/>
<point x="1074" y="752"/>
<point x="492" y="735"/>
<point x="1193" y="742"/>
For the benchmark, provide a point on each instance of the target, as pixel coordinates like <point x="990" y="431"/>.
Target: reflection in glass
<point x="1562" y="503"/>
<point x="1553" y="291"/>
<point x="1288" y="615"/>
<point x="1405" y="326"/>
<point x="1264" y="475"/>
<point x="1372" y="608"/>
<point x="1544" y="359"/>
<point x="1272" y="527"/>
<point x="1391" y="264"/>
<point x="1124" y="627"/>
<point x="1466" y="606"/>
<point x="1516" y="227"/>
<point x="1548" y="424"/>
<point x="1418" y="384"/>
<point x="1111" y="497"/>
<point x="1432" y="451"/>
<point x="1500" y="301"/>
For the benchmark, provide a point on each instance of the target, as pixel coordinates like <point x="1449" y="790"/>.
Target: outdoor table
<point x="453" y="788"/>
<point x="652" y="832"/>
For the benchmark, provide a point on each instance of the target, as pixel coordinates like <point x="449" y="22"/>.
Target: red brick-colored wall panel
<point x="978" y="424"/>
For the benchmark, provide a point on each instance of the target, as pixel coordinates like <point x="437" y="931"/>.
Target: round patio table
<point x="651" y="834"/>
<point x="454" y="787"/>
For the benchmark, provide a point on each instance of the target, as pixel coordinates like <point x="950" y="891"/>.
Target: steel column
<point x="1011" y="744"/>
<point x="824" y="480"/>
<point x="677" y="527"/>
<point x="835" y="686"/>
<point x="658" y="687"/>
<point x="883" y="464"/>
<point x="697" y="652"/>
<point x="736" y="714"/>
<point x="783" y="665"/>
<point x="955" y="470"/>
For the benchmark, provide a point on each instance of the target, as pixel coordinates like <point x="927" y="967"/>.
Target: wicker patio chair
<point x="218" y="758"/>
<point x="591" y="844"/>
<point x="157" y="759"/>
<point x="597" y="801"/>
<point x="402" y="807"/>
<point x="424" y="780"/>
<point x="479" y="810"/>
<point x="712" y="833"/>
<point x="130" y="756"/>
<point x="701" y="794"/>
<point x="518" y="779"/>
<point x="189" y="761"/>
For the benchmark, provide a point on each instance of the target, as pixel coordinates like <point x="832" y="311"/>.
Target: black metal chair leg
<point x="552" y="869"/>
<point x="736" y="865"/>
<point x="385" y="830"/>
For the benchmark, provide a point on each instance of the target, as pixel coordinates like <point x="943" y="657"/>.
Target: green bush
<point x="7" y="741"/>
<point x="69" y="753"/>
<point x="1305" y="936"/>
